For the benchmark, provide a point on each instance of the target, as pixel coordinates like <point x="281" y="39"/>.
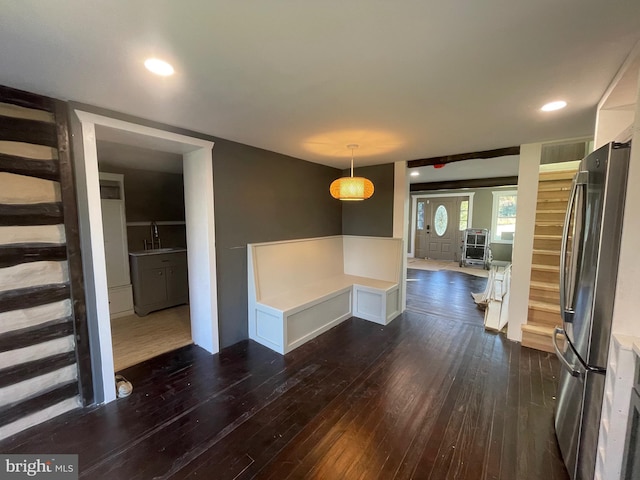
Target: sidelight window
<point x="464" y="215"/>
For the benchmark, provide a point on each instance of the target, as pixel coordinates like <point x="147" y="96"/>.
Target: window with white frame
<point x="503" y="216"/>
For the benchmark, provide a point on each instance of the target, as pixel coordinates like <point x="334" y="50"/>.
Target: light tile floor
<point x="136" y="339"/>
<point x="437" y="265"/>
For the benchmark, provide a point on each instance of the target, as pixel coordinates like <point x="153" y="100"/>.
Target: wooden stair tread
<point x="545" y="268"/>
<point x="539" y="251"/>
<point x="542" y="201"/>
<point x="555" y="183"/>
<point x="552" y="199"/>
<point x="556" y="187"/>
<point x="538" y="329"/>
<point x="544" y="210"/>
<point x="548" y="287"/>
<point x="556" y="175"/>
<point x="548" y="223"/>
<point x="548" y="237"/>
<point x="538" y="338"/>
<point x="544" y="306"/>
<point x="549" y="176"/>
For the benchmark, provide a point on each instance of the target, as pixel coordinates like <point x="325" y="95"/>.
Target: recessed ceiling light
<point x="551" y="106"/>
<point x="414" y="174"/>
<point x="159" y="67"/>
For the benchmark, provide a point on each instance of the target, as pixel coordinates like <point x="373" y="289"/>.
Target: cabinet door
<point x="153" y="286"/>
<point x="177" y="284"/>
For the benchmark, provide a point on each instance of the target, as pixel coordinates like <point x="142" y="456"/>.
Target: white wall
<point x="523" y="242"/>
<point x="201" y="249"/>
<point x="625" y="314"/>
<point x="388" y="252"/>
<point x="401" y="220"/>
<point x="610" y="123"/>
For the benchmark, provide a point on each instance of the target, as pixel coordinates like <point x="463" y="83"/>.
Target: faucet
<point x="155" y="237"/>
<point x="154" y="231"/>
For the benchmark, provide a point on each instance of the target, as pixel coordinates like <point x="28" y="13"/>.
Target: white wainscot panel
<point x="269" y="330"/>
<point x="311" y="322"/>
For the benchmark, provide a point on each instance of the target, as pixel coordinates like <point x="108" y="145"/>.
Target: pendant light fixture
<point x="351" y="188"/>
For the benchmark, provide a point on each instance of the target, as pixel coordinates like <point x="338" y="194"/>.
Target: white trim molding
<point x="199" y="209"/>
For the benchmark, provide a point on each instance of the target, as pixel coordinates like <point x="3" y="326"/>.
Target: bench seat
<point x="301" y="288"/>
<point x="297" y="299"/>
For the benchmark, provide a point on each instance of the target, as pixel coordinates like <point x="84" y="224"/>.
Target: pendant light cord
<point x="351" y="162"/>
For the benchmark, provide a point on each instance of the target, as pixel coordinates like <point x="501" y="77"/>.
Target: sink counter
<point x="157" y="251"/>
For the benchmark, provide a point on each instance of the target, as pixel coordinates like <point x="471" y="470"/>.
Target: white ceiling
<point x="405" y="80"/>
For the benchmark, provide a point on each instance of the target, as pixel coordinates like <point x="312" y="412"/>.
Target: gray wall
<point x="151" y="196"/>
<point x="261" y="196"/>
<point x="482" y="206"/>
<point x="374" y="216"/>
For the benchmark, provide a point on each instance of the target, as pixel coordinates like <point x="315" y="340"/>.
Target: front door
<point x="442" y="231"/>
<point x="437" y="233"/>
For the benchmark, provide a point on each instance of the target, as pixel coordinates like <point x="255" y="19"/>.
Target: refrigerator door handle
<point x="567" y="311"/>
<point x="570" y="368"/>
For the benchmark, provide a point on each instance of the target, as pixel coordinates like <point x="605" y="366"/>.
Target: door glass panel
<point x="420" y="225"/>
<point x="110" y="190"/>
<point x="440" y="220"/>
<point x="464" y="215"/>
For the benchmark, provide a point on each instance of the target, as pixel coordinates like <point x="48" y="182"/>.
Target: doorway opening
<point x="143" y="218"/>
<point x="199" y="215"/>
<point x="437" y="223"/>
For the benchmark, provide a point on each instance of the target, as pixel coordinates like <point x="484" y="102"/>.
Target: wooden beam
<point x="45" y="169"/>
<point x="28" y="131"/>
<point x="25" y="337"/>
<point x="498" y="152"/>
<point x="74" y="254"/>
<point x="33" y="296"/>
<point x="17" y="254"/>
<point x="24" y="371"/>
<point x="15" y="411"/>
<point x="456" y="184"/>
<point x="31" y="214"/>
<point x="25" y="99"/>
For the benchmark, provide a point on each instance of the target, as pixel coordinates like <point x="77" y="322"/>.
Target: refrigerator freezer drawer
<point x="569" y="413"/>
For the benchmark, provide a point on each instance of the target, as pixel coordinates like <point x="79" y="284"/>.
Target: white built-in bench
<point x="299" y="289"/>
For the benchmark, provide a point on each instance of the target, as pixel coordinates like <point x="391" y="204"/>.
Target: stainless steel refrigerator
<point x="588" y="271"/>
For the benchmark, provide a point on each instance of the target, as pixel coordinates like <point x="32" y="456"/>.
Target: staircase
<point x="554" y="188"/>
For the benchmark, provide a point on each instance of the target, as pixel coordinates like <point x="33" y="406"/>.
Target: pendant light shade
<point x="351" y="188"/>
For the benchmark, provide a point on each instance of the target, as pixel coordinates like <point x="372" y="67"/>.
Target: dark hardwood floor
<point x="430" y="396"/>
